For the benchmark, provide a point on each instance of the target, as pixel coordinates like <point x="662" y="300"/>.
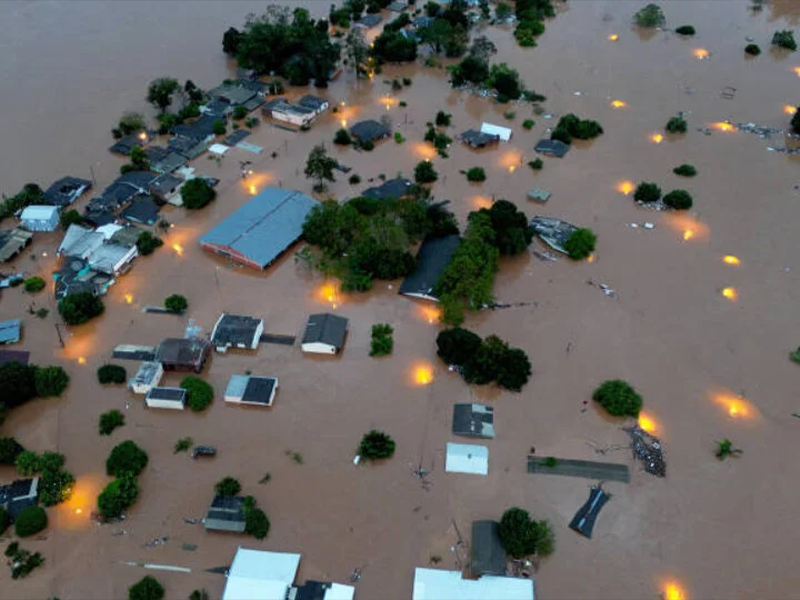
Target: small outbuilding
<point x="147" y="377"/>
<point x="584" y="519"/>
<point x="20" y="356"/>
<point x="467" y="458"/>
<point x="488" y="554"/>
<point x="183" y="354"/>
<point x="236" y="331"/>
<point x="19" y="495"/>
<point x="555" y="148"/>
<point x="165" y="187"/>
<point x="398" y="187"/>
<point x="504" y="133"/>
<point x="554" y="232"/>
<point x="434" y="255"/>
<point x="473" y="420"/>
<point x="282" y="110"/>
<point x="539" y="195"/>
<point x="260" y="575"/>
<point x="226" y="513"/>
<point x="315" y="103"/>
<point x="10" y="331"/>
<point x="477" y="139"/>
<point x="166" y="397"/>
<point x="39" y="218"/>
<point x="252" y="390"/>
<point x="12" y="242"/>
<point x="325" y="334"/>
<point x="369" y="131"/>
<point x="66" y="190"/>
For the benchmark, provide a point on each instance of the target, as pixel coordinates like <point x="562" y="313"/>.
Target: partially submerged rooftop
<point x="251" y="389"/>
<point x="436" y="584"/>
<point x="183" y="353"/>
<point x="467" y="458"/>
<point x="554" y="232"/>
<point x="12" y="242"/>
<point x="236" y="331"/>
<point x="369" y="130"/>
<point x="226" y="513"/>
<point x="488" y="554"/>
<point x="19" y="495"/>
<point x="584" y="520"/>
<point x="432" y="259"/>
<point x="66" y="190"/>
<point x="326" y="331"/>
<point x="399" y="187"/>
<point x="473" y="420"/>
<point x="478" y="139"/>
<point x="10" y="331"/>
<point x="555" y="148"/>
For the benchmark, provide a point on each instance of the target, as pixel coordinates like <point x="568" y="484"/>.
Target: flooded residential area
<point x="686" y="492"/>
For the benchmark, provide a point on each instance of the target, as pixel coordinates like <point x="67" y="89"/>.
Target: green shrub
<point x="10" y="449"/>
<point x="784" y="39"/>
<point x="30" y="521"/>
<point x="456" y="346"/>
<point x="176" y="303"/>
<point x="528" y="124"/>
<point x="382" y="342"/>
<point x="51" y="381"/>
<point x="678" y="199"/>
<point x="536" y="164"/>
<point x="112" y="374"/>
<point x="55" y="484"/>
<point x="647" y="192"/>
<point x="476" y="174"/>
<point x="752" y="49"/>
<point x="5" y="520"/>
<point x="256" y="523"/>
<point x="650" y="16"/>
<point x="219" y="127"/>
<point x="407" y="81"/>
<point x="126" y="457"/>
<point x="550" y="462"/>
<point x="618" y="398"/>
<point x="795" y="122"/>
<point x="795" y="356"/>
<point x="494" y="360"/>
<point x="425" y="173"/>
<point x="354" y="179"/>
<point x="28" y="463"/>
<point x="685" y="30"/>
<point x="522" y="536"/>
<point x="581" y="243"/>
<point x="70" y="217"/>
<point x="239" y="113"/>
<point x="398" y="137"/>
<point x="402" y="104"/>
<point x="676" y="125"/>
<point x="147" y="243"/>
<point x="110" y="420"/>
<point x="570" y="126"/>
<point x="118" y="495"/>
<point x="148" y="588"/>
<point x="342" y="138"/>
<point x="250" y="122"/>
<point x="443" y="119"/>
<point x="509" y="114"/>
<point x="22" y="562"/>
<point x="196" y="193"/>
<point x="367" y="146"/>
<point x="199" y="394"/>
<point x="34" y="284"/>
<point x="79" y="307"/>
<point x="685" y="170"/>
<point x="376" y="445"/>
<point x="182" y="445"/>
<point x="228" y="486"/>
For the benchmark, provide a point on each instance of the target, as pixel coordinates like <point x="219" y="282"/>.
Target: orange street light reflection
<point x="613" y="37"/>
<point x="143" y="136"/>
<point x="618" y="104"/>
<point x="687" y="226"/>
<point x="329" y="294"/>
<point x="178" y="249"/>
<point x="730" y="293"/>
<point x="344" y="122"/>
<point x="479" y="202"/>
<point x="700" y="53"/>
<point x="656" y="138"/>
<point x="672" y="591"/>
<point x="647" y="423"/>
<point x="688" y="234"/>
<point x="789" y="109"/>
<point x="737" y="407"/>
<point x="129" y="298"/>
<point x="797" y="71"/>
<point x="430" y="313"/>
<point x="625" y="187"/>
<point x="511" y="169"/>
<point x="722" y="126"/>
<point x="81" y="360"/>
<point x="591" y="258"/>
<point x="732" y="260"/>
<point x="423" y="374"/>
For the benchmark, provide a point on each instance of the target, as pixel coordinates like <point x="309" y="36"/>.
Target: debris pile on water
<point x="647" y="448"/>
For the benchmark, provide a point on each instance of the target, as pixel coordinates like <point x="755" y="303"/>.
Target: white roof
<point x="38" y="213"/>
<point x="260" y="575"/>
<point x="467" y="458"/>
<point x="109" y="230"/>
<point x="435" y="584"/>
<point x="504" y="132"/>
<point x="218" y="148"/>
<point x="337" y="591"/>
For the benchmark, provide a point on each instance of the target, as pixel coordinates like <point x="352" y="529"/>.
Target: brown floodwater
<point x="709" y="364"/>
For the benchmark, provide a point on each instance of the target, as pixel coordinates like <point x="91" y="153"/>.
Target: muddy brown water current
<point x="717" y="530"/>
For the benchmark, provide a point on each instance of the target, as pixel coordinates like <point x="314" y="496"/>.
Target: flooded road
<point x="717" y="530"/>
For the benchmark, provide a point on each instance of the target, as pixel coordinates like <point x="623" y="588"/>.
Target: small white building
<point x="255" y="391"/>
<point x="504" y="133"/>
<point x="436" y="584"/>
<point x="325" y="334"/>
<point x="166" y="397"/>
<point x="39" y="218"/>
<point x="236" y="331"/>
<point x="467" y="458"/>
<point x="147" y="377"/>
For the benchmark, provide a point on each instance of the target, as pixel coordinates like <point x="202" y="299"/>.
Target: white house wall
<point x="318" y="348"/>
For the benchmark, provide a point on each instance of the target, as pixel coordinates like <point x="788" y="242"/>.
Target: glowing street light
<point x="613" y="37"/>
<point x="673" y="592"/>
<point x="423" y="374"/>
<point x="656" y="138"/>
<point x="730" y="293"/>
<point x="625" y="187"/>
<point x="688" y="234"/>
<point x="789" y="109"/>
<point x="730" y="259"/>
<point x="647" y="423"/>
<point x="618" y="104"/>
<point x="129" y="298"/>
<point x="700" y="53"/>
<point x="178" y="249"/>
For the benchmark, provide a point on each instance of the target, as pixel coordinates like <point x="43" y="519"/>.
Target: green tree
<point x="110" y="420"/>
<point x="147" y="243"/>
<point x="457" y="346"/>
<point x="514" y="370"/>
<point x="30" y="194"/>
<point x="10" y="449"/>
<point x="647" y="192"/>
<point x="230" y="41"/>
<point x="50" y="381"/>
<point x="393" y="46"/>
<point x="196" y="193"/>
<point x="676" y="125"/>
<point x="425" y="173"/>
<point x="17" y="383"/>
<point x="131" y="122"/>
<point x="70" y="217"/>
<point x="55" y="486"/>
<point x="5" y="520"/>
<point x="503" y="11"/>
<point x="581" y="243"/>
<point x="320" y="166"/>
<point x="679" y="200"/>
<point x="685" y="170"/>
<point x="506" y="81"/>
<point x="218" y="127"/>
<point x="795" y="123"/>
<point x="784" y="39"/>
<point x="147" y="588"/>
<point x="256" y="523"/>
<point x="650" y="16"/>
<point x="30" y="521"/>
<point x="199" y="394"/>
<point x="139" y="159"/>
<point x="436" y="34"/>
<point x="382" y="342"/>
<point x="471" y="69"/>
<point x="376" y="445"/>
<point x="570" y="126"/>
<point x="752" y="49"/>
<point x="28" y="463"/>
<point x="79" y="307"/>
<point x="476" y="174"/>
<point x="239" y="113"/>
<point x="685" y="30"/>
<point x="34" y="284"/>
<point x="227" y="486"/>
<point x="522" y="536"/>
<point x="484" y="366"/>
<point x="118" y="496"/>
<point x="511" y="232"/>
<point x="342" y="138"/>
<point x="160" y="92"/>
<point x="618" y="398"/>
<point x="357" y="51"/>
<point x="176" y="303"/>
<point x="112" y="374"/>
<point x="126" y="457"/>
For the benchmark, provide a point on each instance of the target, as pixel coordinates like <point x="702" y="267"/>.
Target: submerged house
<point x="555" y="148"/>
<point x="166" y="397"/>
<point x="473" y="420"/>
<point x="315" y="103"/>
<point x="66" y="190"/>
<point x="147" y="377"/>
<point x="226" y="513"/>
<point x="165" y="186"/>
<point x="143" y="209"/>
<point x="77" y="276"/>
<point x="467" y="458"/>
<point x="183" y="354"/>
<point x="369" y="131"/>
<point x="19" y="356"/>
<point x="252" y="390"/>
<point x="325" y="334"/>
<point x="436" y="584"/>
<point x="584" y="519"/>
<point x="95" y="247"/>
<point x="477" y="139"/>
<point x="39" y="218"/>
<point x="504" y="133"/>
<point x="488" y="554"/>
<point x="399" y="187"/>
<point x="259" y="231"/>
<point x="19" y="495"/>
<point x="12" y="242"/>
<point x="282" y="110"/>
<point x="554" y="232"/>
<point x="236" y="331"/>
<point x="432" y="259"/>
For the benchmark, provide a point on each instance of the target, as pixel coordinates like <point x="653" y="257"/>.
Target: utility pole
<point x="60" y="339"/>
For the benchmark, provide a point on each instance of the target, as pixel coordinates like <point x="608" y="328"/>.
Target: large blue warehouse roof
<point x="262" y="229"/>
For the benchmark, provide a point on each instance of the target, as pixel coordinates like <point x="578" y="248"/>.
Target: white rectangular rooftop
<point x="503" y="132"/>
<point x="467" y="458"/>
<point x="435" y="584"/>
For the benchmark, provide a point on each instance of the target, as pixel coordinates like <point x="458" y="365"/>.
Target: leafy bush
<point x="30" y="521"/>
<point x="147" y="243"/>
<point x="647" y="192"/>
<point x="650" y="16"/>
<point x="50" y="381"/>
<point x="456" y="346"/>
<point x="509" y="114"/>
<point x="21" y="561"/>
<point x="376" y="445"/>
<point x="79" y="307"/>
<point x="795" y="122"/>
<point x="580" y="244"/>
<point x="367" y="145"/>
<point x="443" y="119"/>
<point x="494" y="360"/>
<point x="34" y="284"/>
<point x="250" y="122"/>
<point x="239" y="113"/>
<point x="382" y="342"/>
<point x="126" y="457"/>
<point x="536" y="164"/>
<point x="522" y="536"/>
<point x="182" y="445"/>
<point x="10" y="449"/>
<point x="196" y="193"/>
<point x="528" y="124"/>
<point x="678" y="199"/>
<point x="70" y="217"/>
<point x="784" y="39"/>
<point x="570" y="126"/>
<point x="110" y="420"/>
<point x="112" y="374"/>
<point x="354" y="179"/>
<point x="28" y="463"/>
<point x="676" y="125"/>
<point x="55" y="484"/>
<point x="219" y="127"/>
<point x="551" y="462"/>
<point x="476" y="174"/>
<point x="256" y="523"/>
<point x="398" y="137"/>
<point x="176" y="303"/>
<point x="510" y="225"/>
<point x="30" y="194"/>
<point x="199" y="394"/>
<point x="227" y="486"/>
<point x="17" y="384"/>
<point x="685" y="30"/>
<point x="148" y="588"/>
<point x="618" y="398"/>
<point x="752" y="49"/>
<point x="685" y="170"/>
<point x="425" y="173"/>
<point x="342" y="138"/>
<point x="118" y="495"/>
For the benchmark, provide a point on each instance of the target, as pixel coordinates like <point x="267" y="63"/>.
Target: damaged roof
<point x="432" y="259"/>
<point x="554" y="232"/>
<point x="398" y="187"/>
<point x="66" y="190"/>
<point x="473" y="420"/>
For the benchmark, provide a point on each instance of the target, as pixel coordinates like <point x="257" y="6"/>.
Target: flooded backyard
<point x="710" y="363"/>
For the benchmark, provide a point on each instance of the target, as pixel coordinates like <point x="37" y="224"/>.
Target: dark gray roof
<point x="554" y="232"/>
<point x="185" y="146"/>
<point x="473" y="420"/>
<point x="312" y="102"/>
<point x="488" y="554"/>
<point x="217" y="109"/>
<point x="263" y="228"/>
<point x="369" y="21"/>
<point x="170" y="162"/>
<point x="259" y="390"/>
<point x="235" y="330"/>
<point x="12" y="242"/>
<point x="19" y="495"/>
<point x="236" y="137"/>
<point x="167" y="393"/>
<point x="311" y="590"/>
<point x="198" y="130"/>
<point x="277" y="101"/>
<point x="478" y="139"/>
<point x="369" y="130"/>
<point x="127" y="352"/>
<point x="126" y="144"/>
<point x="138" y="179"/>
<point x="66" y="190"/>
<point x="394" y="188"/>
<point x="254" y="85"/>
<point x="76" y="276"/>
<point x="20" y="356"/>
<point x="555" y="148"/>
<point x="326" y="328"/>
<point x="143" y="210"/>
<point x="226" y="513"/>
<point x="155" y="153"/>
<point x="584" y="519"/>
<point x="423" y="21"/>
<point x="188" y="352"/>
<point x="99" y="216"/>
<point x="165" y="184"/>
<point x="432" y="259"/>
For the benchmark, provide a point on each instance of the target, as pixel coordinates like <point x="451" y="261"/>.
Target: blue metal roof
<point x="264" y="227"/>
<point x="10" y="331"/>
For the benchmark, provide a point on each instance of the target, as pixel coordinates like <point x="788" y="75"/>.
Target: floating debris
<point x="603" y="288"/>
<point x="545" y="256"/>
<point x="156" y="542"/>
<point x="647" y="448"/>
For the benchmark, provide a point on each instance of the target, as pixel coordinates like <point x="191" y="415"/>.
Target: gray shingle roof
<point x="394" y="188"/>
<point x="166" y="393"/>
<point x="478" y="139"/>
<point x="66" y="190"/>
<point x="488" y="554"/>
<point x="235" y="330"/>
<point x="263" y="228"/>
<point x="326" y="328"/>
<point x="473" y="420"/>
<point x="555" y="148"/>
<point x="226" y="513"/>
<point x="369" y="130"/>
<point x="432" y="259"/>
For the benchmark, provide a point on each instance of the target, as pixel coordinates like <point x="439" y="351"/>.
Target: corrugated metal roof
<point x="435" y="584"/>
<point x="38" y="213"/>
<point x="260" y="575"/>
<point x="264" y="227"/>
<point x="467" y="458"/>
<point x="10" y="331"/>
